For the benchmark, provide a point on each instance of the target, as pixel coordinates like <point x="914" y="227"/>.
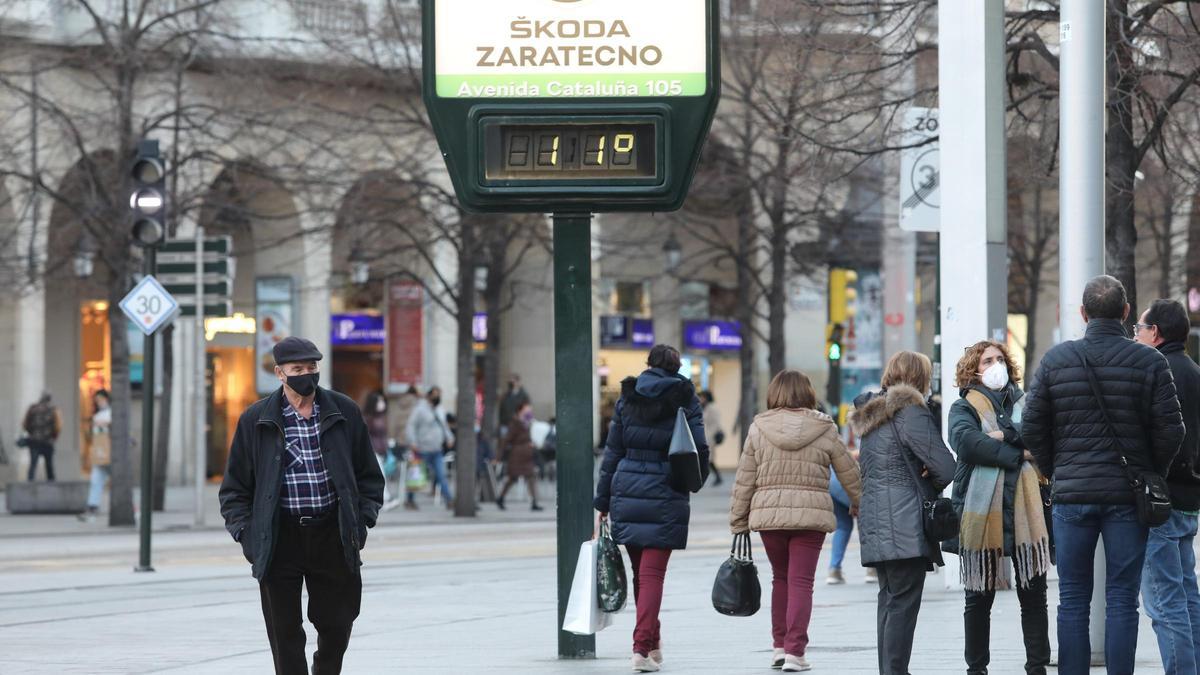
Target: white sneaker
<point x="656" y="656"/>
<point x="835" y="578"/>
<point x="643" y="664"/>
<point x="795" y="664"/>
<point x="777" y="659"/>
<point x="872" y="576"/>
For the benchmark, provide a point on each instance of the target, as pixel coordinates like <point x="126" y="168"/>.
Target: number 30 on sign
<point x="149" y="305"/>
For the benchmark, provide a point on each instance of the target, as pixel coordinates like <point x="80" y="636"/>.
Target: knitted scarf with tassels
<point x="981" y="532"/>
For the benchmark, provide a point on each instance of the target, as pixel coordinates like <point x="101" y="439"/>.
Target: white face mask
<point x="996" y="376"/>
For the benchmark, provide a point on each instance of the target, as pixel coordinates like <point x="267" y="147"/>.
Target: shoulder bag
<point x="1150" y="492"/>
<point x="686" y="475"/>
<point x="736" y="591"/>
<point x="938" y="517"/>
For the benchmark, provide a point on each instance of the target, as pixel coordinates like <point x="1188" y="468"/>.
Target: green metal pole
<point x="573" y="408"/>
<point x="147" y="433"/>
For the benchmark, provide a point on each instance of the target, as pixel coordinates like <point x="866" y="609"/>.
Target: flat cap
<point x="294" y="349"/>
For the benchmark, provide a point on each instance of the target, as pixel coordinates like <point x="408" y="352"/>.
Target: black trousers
<point x="44" y="450"/>
<point x="1035" y="626"/>
<point x="901" y="583"/>
<point x="311" y="556"/>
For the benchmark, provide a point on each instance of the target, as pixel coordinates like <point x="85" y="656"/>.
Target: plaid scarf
<point x="981" y="532"/>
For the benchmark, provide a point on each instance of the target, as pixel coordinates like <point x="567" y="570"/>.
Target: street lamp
<point x="84" y="256"/>
<point x="673" y="251"/>
<point x="360" y="269"/>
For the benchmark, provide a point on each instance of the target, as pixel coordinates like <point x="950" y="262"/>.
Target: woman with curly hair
<point x="997" y="495"/>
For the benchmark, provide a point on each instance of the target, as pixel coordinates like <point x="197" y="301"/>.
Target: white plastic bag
<point x="583" y="606"/>
<point x="538" y="431"/>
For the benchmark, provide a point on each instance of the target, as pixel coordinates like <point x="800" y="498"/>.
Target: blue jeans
<point x="435" y="462"/>
<point x="1170" y="593"/>
<point x="96" y="489"/>
<point x="845" y="523"/>
<point x="1076" y="529"/>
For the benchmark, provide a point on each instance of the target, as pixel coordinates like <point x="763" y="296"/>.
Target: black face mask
<point x="304" y="385"/>
<point x="435" y="401"/>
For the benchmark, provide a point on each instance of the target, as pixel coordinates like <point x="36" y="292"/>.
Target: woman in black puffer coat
<point x="649" y="517"/>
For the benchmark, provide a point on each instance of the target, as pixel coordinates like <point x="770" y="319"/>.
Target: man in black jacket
<point x="1169" y="576"/>
<point x="1067" y="431"/>
<point x="301" y="488"/>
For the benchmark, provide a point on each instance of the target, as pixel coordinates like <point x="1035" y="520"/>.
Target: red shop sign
<point x="405" y="334"/>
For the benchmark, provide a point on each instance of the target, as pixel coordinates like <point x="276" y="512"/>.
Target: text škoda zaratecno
<point x="524" y="56"/>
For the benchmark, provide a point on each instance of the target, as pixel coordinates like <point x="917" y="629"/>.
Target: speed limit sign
<point x="920" y="172"/>
<point x="149" y="305"/>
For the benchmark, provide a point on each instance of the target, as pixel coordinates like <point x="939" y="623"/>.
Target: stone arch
<point x="85" y="217"/>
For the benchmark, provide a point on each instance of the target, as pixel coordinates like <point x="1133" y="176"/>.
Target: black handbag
<point x="685" y="459"/>
<point x="611" y="580"/>
<point x="939" y="520"/>
<point x="1150" y="491"/>
<point x="736" y="591"/>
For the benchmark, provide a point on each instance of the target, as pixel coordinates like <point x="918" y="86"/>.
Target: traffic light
<point x="148" y="199"/>
<point x="834" y="343"/>
<point x="843" y="297"/>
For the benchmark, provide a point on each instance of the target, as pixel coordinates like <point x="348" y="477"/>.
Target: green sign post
<point x="571" y="107"/>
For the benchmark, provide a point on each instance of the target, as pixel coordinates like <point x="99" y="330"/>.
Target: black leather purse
<point x="736" y="591"/>
<point x="938" y="517"/>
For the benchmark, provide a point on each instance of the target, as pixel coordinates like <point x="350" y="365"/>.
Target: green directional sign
<point x="220" y="245"/>
<point x="223" y="288"/>
<point x="219" y="267"/>
<point x="571" y="105"/>
<point x="212" y="309"/>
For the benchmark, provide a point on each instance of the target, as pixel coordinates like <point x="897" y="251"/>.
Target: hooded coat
<point x="635" y="474"/>
<point x="783" y="476"/>
<point x="897" y="437"/>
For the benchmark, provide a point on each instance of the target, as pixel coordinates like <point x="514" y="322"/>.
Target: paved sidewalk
<point x="439" y="597"/>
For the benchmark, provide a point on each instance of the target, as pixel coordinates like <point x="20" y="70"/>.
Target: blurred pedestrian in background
<point x="649" y="517"/>
<point x="900" y="443"/>
<point x="716" y="435"/>
<point x="514" y="397"/>
<point x="782" y="492"/>
<point x="42" y="425"/>
<point x="99" y="452"/>
<point x="516" y="451"/>
<point x="375" y="413"/>
<point x="429" y="436"/>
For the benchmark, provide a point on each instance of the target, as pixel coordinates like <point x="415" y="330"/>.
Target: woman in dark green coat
<point x="996" y="493"/>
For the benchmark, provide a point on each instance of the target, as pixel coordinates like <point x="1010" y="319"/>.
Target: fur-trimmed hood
<point x="880" y="408"/>
<point x="655" y="395"/>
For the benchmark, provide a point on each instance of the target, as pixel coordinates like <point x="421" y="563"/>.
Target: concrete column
<point x="1081" y="198"/>
<point x="973" y="273"/>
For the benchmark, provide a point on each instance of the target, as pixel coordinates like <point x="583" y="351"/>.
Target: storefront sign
<point x="405" y="335"/>
<point x="643" y="332"/>
<point x="479" y="327"/>
<point x="274" y="319"/>
<point x="713" y="335"/>
<point x="357" y="329"/>
<point x="571" y="48"/>
<point x="623" y="331"/>
<point x="237" y="324"/>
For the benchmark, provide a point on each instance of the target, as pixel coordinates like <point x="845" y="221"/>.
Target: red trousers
<point x="793" y="555"/>
<point x="649" y="572"/>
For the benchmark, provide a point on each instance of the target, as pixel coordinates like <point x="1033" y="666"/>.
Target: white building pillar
<point x="973" y="275"/>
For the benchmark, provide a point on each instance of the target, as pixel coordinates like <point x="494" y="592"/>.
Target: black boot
<point x="500" y="503"/>
<point x="535" y="507"/>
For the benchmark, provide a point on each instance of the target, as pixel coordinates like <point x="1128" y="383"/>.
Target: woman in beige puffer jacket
<point x="782" y="492"/>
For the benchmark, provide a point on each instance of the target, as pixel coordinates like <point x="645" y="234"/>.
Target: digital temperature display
<point x="570" y="152"/>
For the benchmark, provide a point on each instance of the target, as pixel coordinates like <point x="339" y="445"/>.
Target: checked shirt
<point x="307" y="488"/>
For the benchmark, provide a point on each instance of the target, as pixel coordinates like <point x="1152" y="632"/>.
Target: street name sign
<point x="920" y="172"/>
<point x="577" y="106"/>
<point x="176" y="270"/>
<point x="149" y="305"/>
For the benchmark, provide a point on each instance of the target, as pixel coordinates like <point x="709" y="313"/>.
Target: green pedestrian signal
<point x="835" y="352"/>
<point x="580" y="106"/>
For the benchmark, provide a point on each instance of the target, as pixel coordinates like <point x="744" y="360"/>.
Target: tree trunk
<point x="162" y="429"/>
<point x="1031" y="308"/>
<point x="1120" y="158"/>
<point x="745" y="316"/>
<point x="464" y="449"/>
<point x="777" y="300"/>
<point x="120" y="511"/>
<point x="492" y="299"/>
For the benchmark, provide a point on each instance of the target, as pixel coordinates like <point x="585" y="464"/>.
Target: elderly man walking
<point x="1169" y="577"/>
<point x="301" y="488"/>
<point x="1100" y="413"/>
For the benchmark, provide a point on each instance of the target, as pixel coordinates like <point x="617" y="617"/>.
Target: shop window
<point x="693" y="300"/>
<point x="629" y="298"/>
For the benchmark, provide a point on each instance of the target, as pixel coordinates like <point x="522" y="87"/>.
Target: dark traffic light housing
<point x="148" y="197"/>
